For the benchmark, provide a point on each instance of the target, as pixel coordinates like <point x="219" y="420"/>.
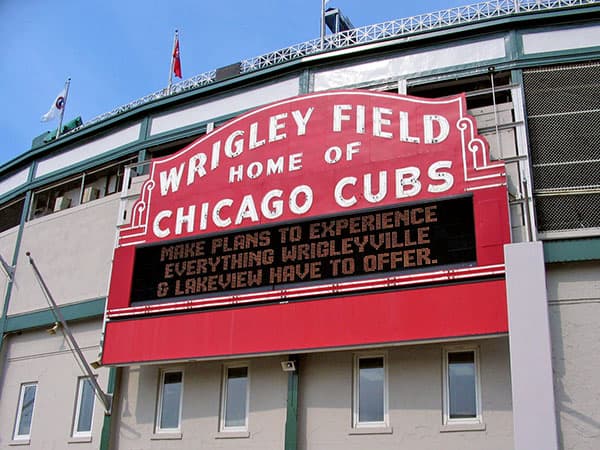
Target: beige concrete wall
<point x="325" y="403"/>
<point x="43" y="358"/>
<point x="73" y="251"/>
<point x="201" y="407"/>
<point x="415" y="401"/>
<point x="574" y="298"/>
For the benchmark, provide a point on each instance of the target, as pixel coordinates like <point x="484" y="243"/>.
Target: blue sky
<point x="116" y="51"/>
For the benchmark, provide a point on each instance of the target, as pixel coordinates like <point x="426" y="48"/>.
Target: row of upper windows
<point x="461" y="391"/>
<point x="85" y="187"/>
<point x="82" y="188"/>
<point x="82" y="416"/>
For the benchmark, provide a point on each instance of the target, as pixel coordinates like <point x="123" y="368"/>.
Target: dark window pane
<point x="10" y="215"/>
<point x="235" y="403"/>
<point x="370" y="390"/>
<point x="27" y="410"/>
<point x="86" y="407"/>
<point x="171" y="398"/>
<point x="462" y="385"/>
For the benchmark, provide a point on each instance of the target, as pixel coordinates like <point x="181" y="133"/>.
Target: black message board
<point x="361" y="244"/>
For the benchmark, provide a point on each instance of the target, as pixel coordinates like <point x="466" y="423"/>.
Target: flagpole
<point x="172" y="62"/>
<point x="62" y="110"/>
<point x="323" y="2"/>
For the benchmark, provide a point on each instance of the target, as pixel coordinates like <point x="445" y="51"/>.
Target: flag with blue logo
<point x="57" y="106"/>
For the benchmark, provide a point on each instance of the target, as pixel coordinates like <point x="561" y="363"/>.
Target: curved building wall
<point x="67" y="193"/>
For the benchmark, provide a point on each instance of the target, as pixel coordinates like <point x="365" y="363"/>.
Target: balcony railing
<point x="421" y="23"/>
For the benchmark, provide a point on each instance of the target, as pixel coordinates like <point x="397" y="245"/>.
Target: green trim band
<point x="76" y="311"/>
<point x="305" y="83"/>
<point x="572" y="250"/>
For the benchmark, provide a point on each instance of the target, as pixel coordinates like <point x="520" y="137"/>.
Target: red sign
<point x="295" y="170"/>
<point x="314" y="155"/>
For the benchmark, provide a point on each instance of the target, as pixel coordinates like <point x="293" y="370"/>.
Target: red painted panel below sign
<point x="422" y="314"/>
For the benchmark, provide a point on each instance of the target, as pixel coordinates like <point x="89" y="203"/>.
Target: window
<point x="234" y="403"/>
<point x="462" y="402"/>
<point x="168" y="416"/>
<point x="25" y="411"/>
<point x="370" y="391"/>
<point x="81" y="188"/>
<point x="10" y="214"/>
<point x="56" y="197"/>
<point x="170" y="147"/>
<point x="84" y="410"/>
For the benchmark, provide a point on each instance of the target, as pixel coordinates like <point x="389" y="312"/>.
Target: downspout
<point x="291" y="422"/>
<point x="106" y="436"/>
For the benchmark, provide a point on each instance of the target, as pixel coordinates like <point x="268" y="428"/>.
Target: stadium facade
<point x="389" y="238"/>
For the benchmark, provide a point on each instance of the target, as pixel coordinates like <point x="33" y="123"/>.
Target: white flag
<point x="57" y="107"/>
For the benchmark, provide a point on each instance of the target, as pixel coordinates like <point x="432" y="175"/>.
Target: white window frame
<point x="159" y="403"/>
<point x="224" y="382"/>
<point x="447" y="420"/>
<point x="23" y="437"/>
<point x="356" y="394"/>
<point x="79" y="400"/>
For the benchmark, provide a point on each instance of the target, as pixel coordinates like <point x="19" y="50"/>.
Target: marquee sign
<point x="360" y="244"/>
<point x="311" y="156"/>
<point x="311" y="197"/>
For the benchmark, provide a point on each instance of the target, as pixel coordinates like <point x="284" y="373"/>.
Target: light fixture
<point x="96" y="364"/>
<point x="53" y="329"/>
<point x="288" y="366"/>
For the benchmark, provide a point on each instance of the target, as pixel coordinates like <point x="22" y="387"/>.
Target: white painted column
<point x="534" y="415"/>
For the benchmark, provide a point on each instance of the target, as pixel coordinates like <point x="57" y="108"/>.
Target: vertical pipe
<point x="291" y="422"/>
<point x="109" y="420"/>
<point x="323" y="2"/>
<point x="172" y="65"/>
<point x="62" y="110"/>
<point x="27" y="203"/>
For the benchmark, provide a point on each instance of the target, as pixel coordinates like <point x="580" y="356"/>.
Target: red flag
<point x="176" y="60"/>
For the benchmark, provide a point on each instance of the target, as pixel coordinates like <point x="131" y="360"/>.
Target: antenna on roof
<point x="335" y="21"/>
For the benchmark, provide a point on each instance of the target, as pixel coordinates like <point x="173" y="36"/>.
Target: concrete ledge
<point x="455" y="427"/>
<point x="232" y="435"/>
<point x="80" y="440"/>
<point x="371" y="430"/>
<point x="166" y="436"/>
